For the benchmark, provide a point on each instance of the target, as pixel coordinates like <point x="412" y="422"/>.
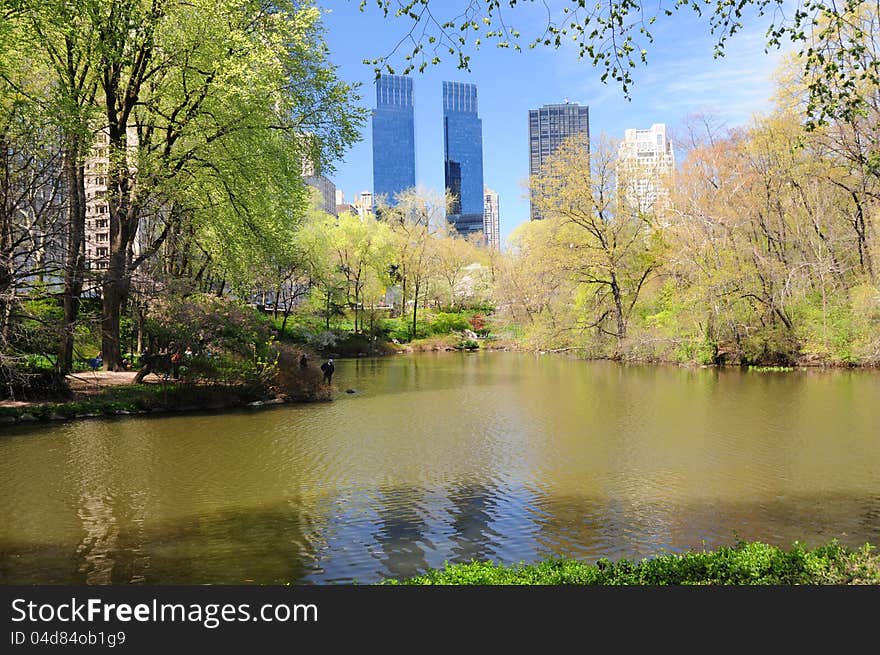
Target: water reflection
<point x="446" y="458"/>
<point x="473" y="508"/>
<point x="402" y="531"/>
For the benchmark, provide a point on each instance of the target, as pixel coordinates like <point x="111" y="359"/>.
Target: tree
<point x="454" y="255"/>
<point x="361" y="249"/>
<point x="613" y="247"/>
<point x="182" y="81"/>
<point x="836" y="40"/>
<point x="414" y="221"/>
<point x="59" y="41"/>
<point x="533" y="293"/>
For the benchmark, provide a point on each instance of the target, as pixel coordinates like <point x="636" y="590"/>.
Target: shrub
<point x="742" y="564"/>
<point x="444" y="323"/>
<point x="291" y="380"/>
<point x="22" y="382"/>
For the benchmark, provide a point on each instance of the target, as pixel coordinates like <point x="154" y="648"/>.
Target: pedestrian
<point x="303" y="361"/>
<point x="328" y="369"/>
<point x="176" y="361"/>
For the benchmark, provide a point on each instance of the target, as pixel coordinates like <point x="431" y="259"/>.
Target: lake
<point x="446" y="457"/>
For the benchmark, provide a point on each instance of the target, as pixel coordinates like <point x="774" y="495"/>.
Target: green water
<point x="440" y="457"/>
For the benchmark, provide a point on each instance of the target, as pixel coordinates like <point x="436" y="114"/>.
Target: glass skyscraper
<point x="463" y="148"/>
<point x="548" y="127"/>
<point x="394" y="141"/>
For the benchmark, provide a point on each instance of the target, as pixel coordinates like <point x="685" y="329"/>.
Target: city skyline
<point x="682" y="78"/>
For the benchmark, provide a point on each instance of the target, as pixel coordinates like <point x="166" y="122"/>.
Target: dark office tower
<point x="548" y="127"/>
<point x="394" y="142"/>
<point x="463" y="146"/>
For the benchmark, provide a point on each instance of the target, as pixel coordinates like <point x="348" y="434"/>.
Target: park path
<point x="87" y="383"/>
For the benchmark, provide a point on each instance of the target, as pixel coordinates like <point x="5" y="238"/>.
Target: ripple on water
<point x="437" y="459"/>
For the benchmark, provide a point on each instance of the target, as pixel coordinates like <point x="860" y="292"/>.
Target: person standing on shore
<point x="328" y="369"/>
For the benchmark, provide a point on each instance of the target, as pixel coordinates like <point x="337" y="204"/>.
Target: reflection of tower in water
<point x="402" y="531"/>
<point x="473" y="507"/>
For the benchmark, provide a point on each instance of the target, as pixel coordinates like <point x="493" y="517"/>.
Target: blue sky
<point x="681" y="78"/>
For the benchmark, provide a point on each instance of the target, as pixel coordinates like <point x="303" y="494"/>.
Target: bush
<point x="444" y="323"/>
<point x="226" y="340"/>
<point x="743" y="564"/>
<point x="398" y="329"/>
<point x="19" y="382"/>
<point x="39" y="329"/>
<point x="293" y="381"/>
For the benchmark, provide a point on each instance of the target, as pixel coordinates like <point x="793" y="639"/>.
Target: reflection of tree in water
<point x="472" y="509"/>
<point x="232" y="547"/>
<point x="402" y="531"/>
<point x="870" y="519"/>
<point x="576" y="526"/>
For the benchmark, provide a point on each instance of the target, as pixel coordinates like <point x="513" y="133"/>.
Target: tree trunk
<point x="327" y="312"/>
<point x="6" y="265"/>
<point x="111" y="310"/>
<point x="74" y="265"/>
<point x="415" y="309"/>
<point x="618" y="312"/>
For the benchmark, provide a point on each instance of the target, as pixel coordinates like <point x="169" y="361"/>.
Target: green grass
<point x="143" y="397"/>
<point x="752" y="563"/>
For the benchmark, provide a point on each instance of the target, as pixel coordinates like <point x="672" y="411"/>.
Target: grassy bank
<point x="751" y="563"/>
<point x="127" y="399"/>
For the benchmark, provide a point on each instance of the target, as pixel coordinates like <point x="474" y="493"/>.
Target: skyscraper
<point x="548" y="127"/>
<point x="394" y="142"/>
<point x="646" y="161"/>
<point x="491" y="219"/>
<point x="463" y="148"/>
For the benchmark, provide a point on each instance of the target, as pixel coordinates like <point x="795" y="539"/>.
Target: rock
<point x="256" y="403"/>
<point x="27" y="418"/>
<point x="7" y="420"/>
<point x="350" y="391"/>
<point x="88" y="415"/>
<point x="54" y="416"/>
<point x="122" y="412"/>
<point x="274" y="401"/>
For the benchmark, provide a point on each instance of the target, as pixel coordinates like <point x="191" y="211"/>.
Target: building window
<point x="101" y="252"/>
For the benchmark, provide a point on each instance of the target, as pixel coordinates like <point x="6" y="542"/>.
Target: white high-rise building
<point x="363" y="205"/>
<point x="647" y="164"/>
<point x="96" y="168"/>
<point x="491" y="218"/>
<point x="97" y="236"/>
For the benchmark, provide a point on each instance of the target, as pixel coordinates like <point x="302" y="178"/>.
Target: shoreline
<point x="804" y="363"/>
<point x="112" y="395"/>
<point x="95" y="397"/>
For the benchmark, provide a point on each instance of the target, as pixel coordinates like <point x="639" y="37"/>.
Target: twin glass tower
<point x="394" y="160"/>
<point x="394" y="141"/>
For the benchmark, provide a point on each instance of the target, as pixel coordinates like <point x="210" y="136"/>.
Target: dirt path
<point x="89" y="383"/>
